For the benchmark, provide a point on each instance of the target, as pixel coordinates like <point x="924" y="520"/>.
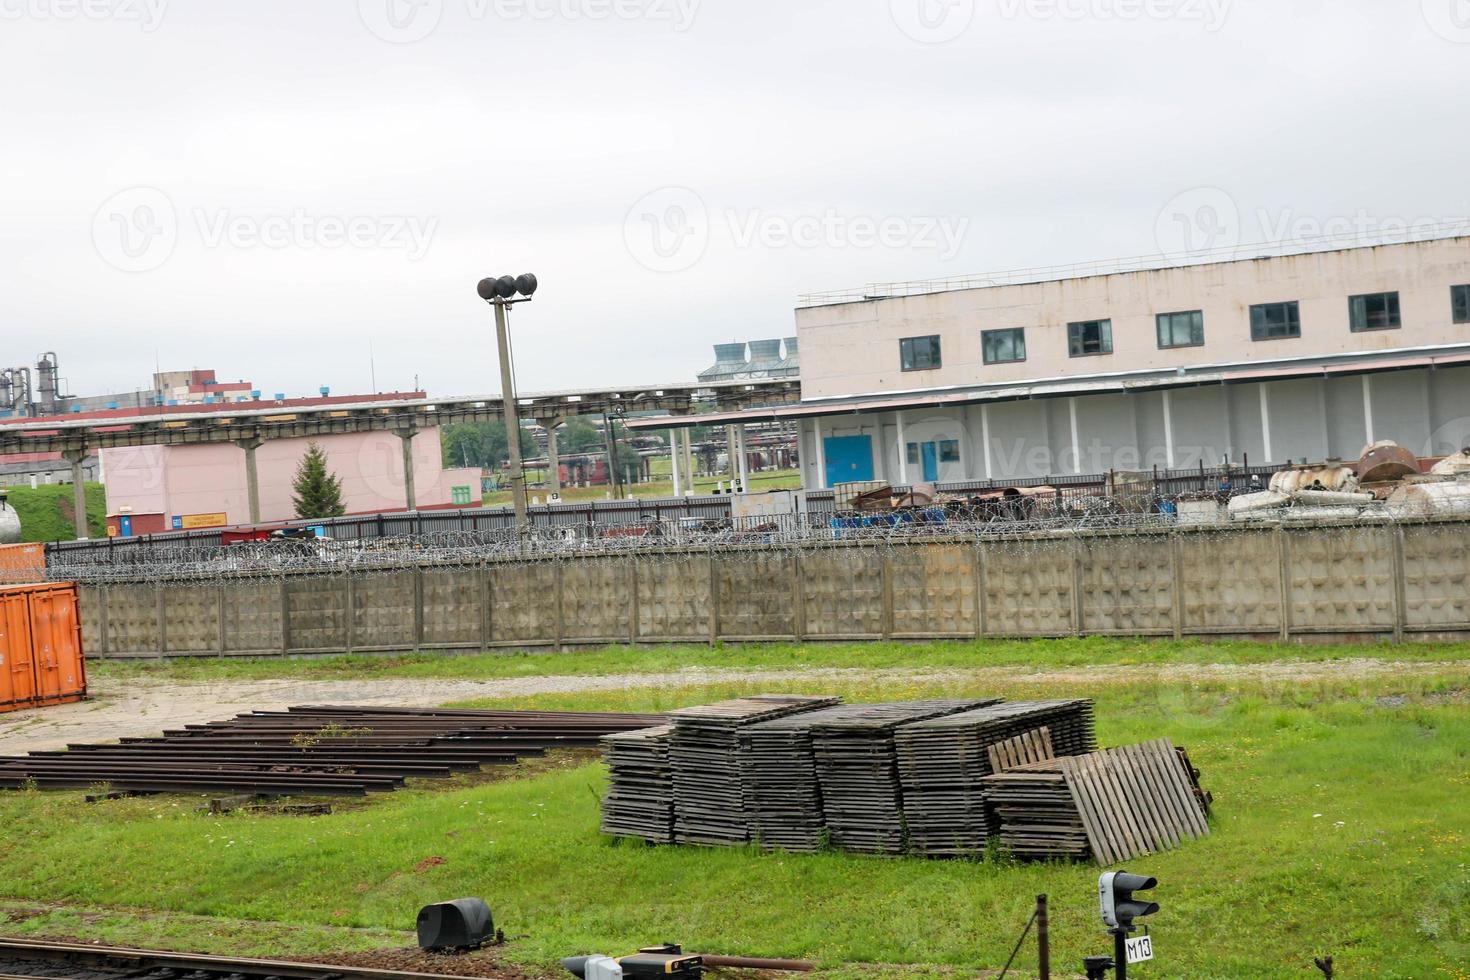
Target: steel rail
<point x="121" y="958"/>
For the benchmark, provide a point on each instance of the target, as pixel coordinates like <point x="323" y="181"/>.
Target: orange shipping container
<point x="41" y="659"/>
<point x="22" y="563"/>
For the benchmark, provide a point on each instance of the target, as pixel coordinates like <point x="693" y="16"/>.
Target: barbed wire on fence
<point x="1019" y="526"/>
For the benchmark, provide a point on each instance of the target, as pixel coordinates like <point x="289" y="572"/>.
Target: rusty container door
<point x="17" y="675"/>
<point x="56" y="644"/>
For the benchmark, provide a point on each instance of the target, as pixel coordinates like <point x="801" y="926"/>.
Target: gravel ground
<point x="145" y="707"/>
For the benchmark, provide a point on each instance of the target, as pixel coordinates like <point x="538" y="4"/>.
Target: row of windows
<point x="1089" y="338"/>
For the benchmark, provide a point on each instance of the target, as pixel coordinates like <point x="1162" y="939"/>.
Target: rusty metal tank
<point x="1331" y="475"/>
<point x="1384" y="462"/>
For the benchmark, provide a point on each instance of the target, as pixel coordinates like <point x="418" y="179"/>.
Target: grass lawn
<point x="1341" y="827"/>
<point x="1030" y="654"/>
<point x="662" y="486"/>
<point x="46" y="513"/>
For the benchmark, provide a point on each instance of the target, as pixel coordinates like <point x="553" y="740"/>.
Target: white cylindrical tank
<point x="1431" y="500"/>
<point x="9" y="525"/>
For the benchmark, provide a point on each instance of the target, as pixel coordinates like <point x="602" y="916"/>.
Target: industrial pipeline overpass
<point x="249" y="424"/>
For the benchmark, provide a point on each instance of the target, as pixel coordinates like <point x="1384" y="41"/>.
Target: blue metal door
<point x="125" y="525"/>
<point x="849" y="459"/>
<point x="931" y="462"/>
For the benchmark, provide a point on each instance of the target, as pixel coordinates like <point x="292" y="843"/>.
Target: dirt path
<point x="145" y="707"/>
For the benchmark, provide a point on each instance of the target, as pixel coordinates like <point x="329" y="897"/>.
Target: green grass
<point x="662" y="486"/>
<point x="1037" y="654"/>
<point x="46" y="513"/>
<point x="1341" y="827"/>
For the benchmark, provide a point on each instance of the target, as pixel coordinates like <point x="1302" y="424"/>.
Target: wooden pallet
<point x="1024" y="749"/>
<point x="1127" y="802"/>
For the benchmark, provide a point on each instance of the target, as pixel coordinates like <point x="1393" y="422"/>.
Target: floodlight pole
<point x="512" y="416"/>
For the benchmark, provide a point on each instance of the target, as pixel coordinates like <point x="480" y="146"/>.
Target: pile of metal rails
<point x="316" y="751"/>
<point x="931" y="778"/>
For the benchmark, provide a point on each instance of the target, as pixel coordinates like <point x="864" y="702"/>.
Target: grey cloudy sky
<point x="268" y="187"/>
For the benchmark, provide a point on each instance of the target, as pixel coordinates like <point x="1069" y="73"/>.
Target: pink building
<point x="161" y="488"/>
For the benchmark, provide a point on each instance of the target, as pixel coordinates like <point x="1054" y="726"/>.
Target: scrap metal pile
<point x="1387" y="482"/>
<point x="932" y="778"/>
<point x="315" y="751"/>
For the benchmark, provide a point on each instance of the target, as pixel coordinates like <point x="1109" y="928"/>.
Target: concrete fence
<point x="1402" y="581"/>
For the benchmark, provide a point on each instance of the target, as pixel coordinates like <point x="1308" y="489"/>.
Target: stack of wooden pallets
<point x="1112" y="805"/>
<point x="704" y="752"/>
<point x="640" y="798"/>
<point x="942" y="761"/>
<point x="858" y="770"/>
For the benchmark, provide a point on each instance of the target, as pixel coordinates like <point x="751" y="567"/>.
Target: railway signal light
<point x="1115" y="896"/>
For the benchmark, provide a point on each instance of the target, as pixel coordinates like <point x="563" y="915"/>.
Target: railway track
<point x="26" y="960"/>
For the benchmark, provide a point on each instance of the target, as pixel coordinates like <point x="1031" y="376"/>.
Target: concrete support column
<point x="252" y="477"/>
<point x="903" y="454"/>
<point x="674" y="462"/>
<point x="406" y="436"/>
<point x="553" y="458"/>
<point x="77" y="458"/>
<point x="689" y="458"/>
<point x="732" y="464"/>
<point x="822" y="452"/>
<point x="744" y="468"/>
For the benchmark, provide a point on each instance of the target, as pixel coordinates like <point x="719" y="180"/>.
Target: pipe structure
<point x="758" y="963"/>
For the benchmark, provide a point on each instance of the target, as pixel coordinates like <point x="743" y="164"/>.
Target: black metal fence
<point x="1078" y="498"/>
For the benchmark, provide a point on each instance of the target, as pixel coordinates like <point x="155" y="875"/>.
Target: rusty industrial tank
<point x="1332" y="475"/>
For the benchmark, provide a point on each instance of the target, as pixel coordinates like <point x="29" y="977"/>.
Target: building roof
<point x="306" y="417"/>
<point x="1367" y="362"/>
<point x="872" y="292"/>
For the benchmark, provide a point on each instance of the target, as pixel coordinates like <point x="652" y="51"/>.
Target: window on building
<point x="1090" y="337"/>
<point x="1182" y="329"/>
<point x="1460" y="301"/>
<point x="919" y="353"/>
<point x="913" y="453"/>
<point x="949" y="451"/>
<point x="1273" y="321"/>
<point x="1003" y="346"/>
<point x="1377" y="311"/>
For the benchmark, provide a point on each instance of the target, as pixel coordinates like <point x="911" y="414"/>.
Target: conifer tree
<point x="318" y="493"/>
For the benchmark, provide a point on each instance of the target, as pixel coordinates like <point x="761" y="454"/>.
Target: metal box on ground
<point x="40" y="647"/>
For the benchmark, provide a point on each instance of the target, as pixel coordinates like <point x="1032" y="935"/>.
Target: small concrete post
<point x="252" y="476"/>
<point x="77" y="457"/>
<point x="409" y="498"/>
<point x="553" y="459"/>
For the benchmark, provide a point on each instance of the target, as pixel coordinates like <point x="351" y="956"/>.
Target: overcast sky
<point x="268" y="188"/>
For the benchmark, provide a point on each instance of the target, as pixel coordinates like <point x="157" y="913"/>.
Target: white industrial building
<point x="1271" y="359"/>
